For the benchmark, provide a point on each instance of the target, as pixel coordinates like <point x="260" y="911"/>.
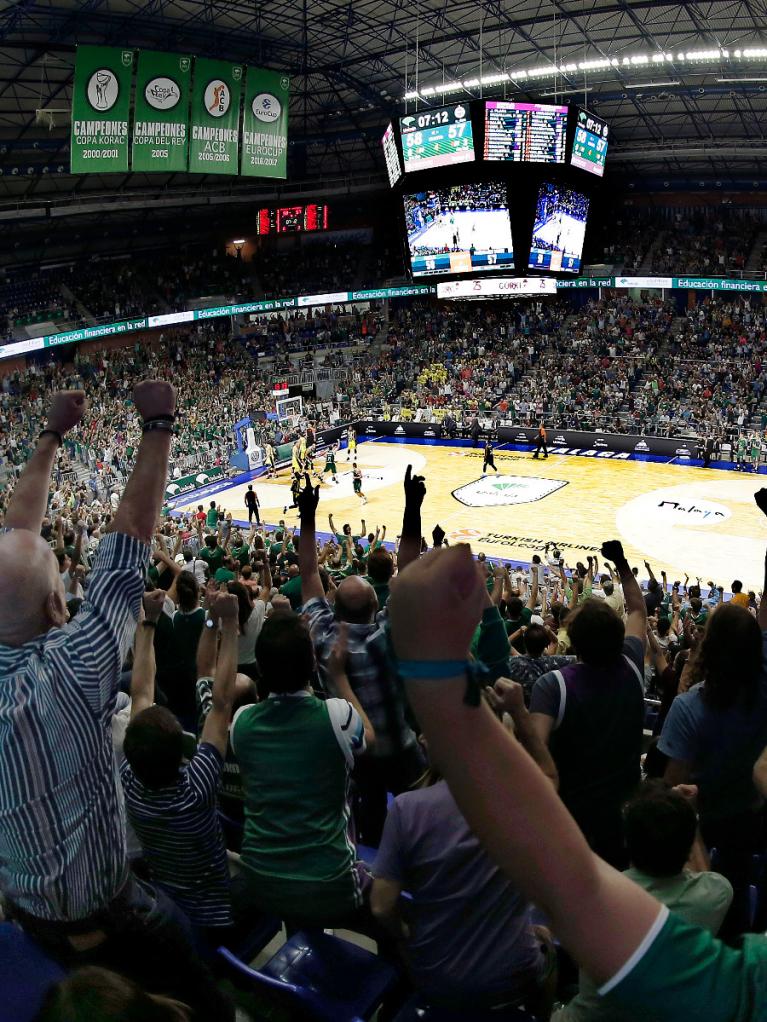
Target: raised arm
<point x="636" y="610"/>
<point x="223" y="609"/>
<point x="308" y="567"/>
<point x="266" y="579"/>
<point x="410" y="541"/>
<point x="141" y="502"/>
<point x="29" y="500"/>
<point x="598" y="914"/>
<point x="533" y="599"/>
<point x="78" y="551"/>
<point x="338" y="680"/>
<point x="143" y="674"/>
<point x="508" y="697"/>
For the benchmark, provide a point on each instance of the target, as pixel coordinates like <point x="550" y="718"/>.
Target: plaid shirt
<point x="62" y="818"/>
<point x="369" y="676"/>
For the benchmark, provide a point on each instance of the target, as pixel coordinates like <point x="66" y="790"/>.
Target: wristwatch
<point x="210" y="623"/>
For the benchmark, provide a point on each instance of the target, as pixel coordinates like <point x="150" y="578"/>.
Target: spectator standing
<point x="68" y="884"/>
<point x="592" y="712"/>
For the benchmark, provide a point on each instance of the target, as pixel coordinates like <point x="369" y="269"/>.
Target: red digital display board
<point x="293" y="219"/>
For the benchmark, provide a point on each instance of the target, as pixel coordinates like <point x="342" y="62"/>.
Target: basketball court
<point x="689" y="520"/>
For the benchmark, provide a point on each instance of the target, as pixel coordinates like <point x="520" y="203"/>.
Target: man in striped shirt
<point x="173" y="808"/>
<point x="63" y="865"/>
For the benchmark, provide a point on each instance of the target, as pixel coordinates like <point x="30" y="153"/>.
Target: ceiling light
<point x="741" y="80"/>
<point x="651" y="85"/>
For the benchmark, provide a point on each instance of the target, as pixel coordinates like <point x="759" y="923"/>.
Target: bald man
<point x="395" y="762"/>
<point x="63" y="864"/>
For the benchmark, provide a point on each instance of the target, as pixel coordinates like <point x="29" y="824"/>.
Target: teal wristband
<point x="476" y="674"/>
<point x="431" y="669"/>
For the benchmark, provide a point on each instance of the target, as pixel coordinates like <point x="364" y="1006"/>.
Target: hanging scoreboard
<point x="589" y="150"/>
<point x="525" y="132"/>
<point x="437" y="138"/>
<point x="293" y="219"/>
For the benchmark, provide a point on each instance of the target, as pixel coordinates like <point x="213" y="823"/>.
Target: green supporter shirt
<point x="699" y="898"/>
<point x="681" y="973"/>
<point x="224" y="575"/>
<point x="519" y="622"/>
<point x="241" y="553"/>
<point x="213" y="556"/>
<point x="296" y="753"/>
<point x="211" y="518"/>
<point x="292" y="589"/>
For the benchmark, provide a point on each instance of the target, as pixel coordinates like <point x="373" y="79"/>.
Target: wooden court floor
<point x="701" y="522"/>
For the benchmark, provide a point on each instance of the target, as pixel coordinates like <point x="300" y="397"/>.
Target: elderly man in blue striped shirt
<point x="63" y="863"/>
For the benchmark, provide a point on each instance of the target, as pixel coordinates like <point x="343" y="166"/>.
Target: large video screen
<point x="589" y="150"/>
<point x="559" y="230"/>
<point x="459" y="229"/>
<point x="525" y="132"/>
<point x="391" y="156"/>
<point x="437" y="138"/>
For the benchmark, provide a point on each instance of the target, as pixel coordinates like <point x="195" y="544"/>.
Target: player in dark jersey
<point x="295" y="489"/>
<point x="357" y="482"/>
<point x="330" y="462"/>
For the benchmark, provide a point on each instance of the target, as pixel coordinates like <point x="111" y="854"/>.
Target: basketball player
<point x="351" y="450"/>
<point x="295" y="489"/>
<point x="357" y="482"/>
<point x="540" y="442"/>
<point x="756" y="452"/>
<point x="297" y="458"/>
<point x="740" y="456"/>
<point x="330" y="462"/>
<point x="489" y="460"/>
<point x="269" y="460"/>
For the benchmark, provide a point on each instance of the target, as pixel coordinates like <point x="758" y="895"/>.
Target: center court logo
<point x="503" y="491"/>
<point x="692" y="512"/>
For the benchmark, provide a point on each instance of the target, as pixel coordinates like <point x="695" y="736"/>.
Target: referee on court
<point x="540" y="442"/>
<point x="489" y="459"/>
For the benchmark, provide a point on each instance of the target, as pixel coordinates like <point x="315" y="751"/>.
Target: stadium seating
<point x="26" y="972"/>
<point x="324" y="978"/>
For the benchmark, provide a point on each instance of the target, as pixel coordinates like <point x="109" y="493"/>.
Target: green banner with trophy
<point x="265" y="124"/>
<point x="100" y="109"/>
<point x="161" y="114"/>
<point x="215" y="118"/>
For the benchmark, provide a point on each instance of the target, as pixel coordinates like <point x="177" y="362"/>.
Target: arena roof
<point x="683" y="85"/>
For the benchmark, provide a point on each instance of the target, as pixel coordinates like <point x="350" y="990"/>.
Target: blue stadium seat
<point x="257" y="938"/>
<point x="417" y="1009"/>
<point x="323" y="978"/>
<point x="26" y="973"/>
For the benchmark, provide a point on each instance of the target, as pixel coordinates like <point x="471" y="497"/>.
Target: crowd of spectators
<point x="201" y="726"/>
<point x="705" y="244"/>
<point x="616" y="364"/>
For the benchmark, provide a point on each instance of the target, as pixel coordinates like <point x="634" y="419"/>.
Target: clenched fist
<point x="154" y="398"/>
<point x="66" y="411"/>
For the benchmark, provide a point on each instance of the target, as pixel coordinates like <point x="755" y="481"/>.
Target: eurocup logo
<point x="162" y="93"/>
<point x="102" y="89"/>
<point x="266" y="107"/>
<point x="217" y="98"/>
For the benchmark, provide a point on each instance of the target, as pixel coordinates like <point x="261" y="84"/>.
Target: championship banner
<point x="100" y="106"/>
<point x="161" y="117"/>
<point x="215" y="117"/>
<point x="265" y="124"/>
